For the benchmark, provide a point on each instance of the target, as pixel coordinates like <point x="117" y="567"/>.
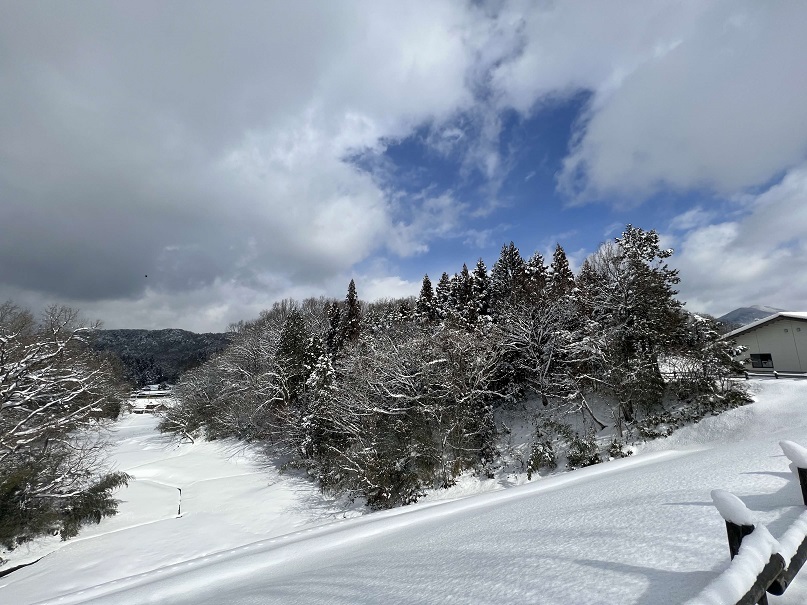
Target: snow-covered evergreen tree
<point x="462" y="309"/>
<point x="481" y="292"/>
<point x="292" y="357"/>
<point x="536" y="278"/>
<point x="507" y="278"/>
<point x="333" y="334"/>
<point x="425" y="308"/>
<point x="628" y="292"/>
<point x="351" y="321"/>
<point x="561" y="278"/>
<point x="442" y="296"/>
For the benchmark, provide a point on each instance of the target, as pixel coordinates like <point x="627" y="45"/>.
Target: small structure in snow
<point x="151" y="399"/>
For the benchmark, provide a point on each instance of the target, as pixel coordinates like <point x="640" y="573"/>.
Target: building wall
<point x="785" y="339"/>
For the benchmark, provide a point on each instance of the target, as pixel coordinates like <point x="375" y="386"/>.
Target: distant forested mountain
<point x="154" y="356"/>
<point x="746" y="315"/>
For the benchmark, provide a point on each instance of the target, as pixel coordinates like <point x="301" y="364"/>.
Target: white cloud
<point x="439" y="216"/>
<point x="720" y="110"/>
<point x="375" y="288"/>
<point x="692" y="218"/>
<point x="756" y="258"/>
<point x="700" y="94"/>
<point x="571" y="46"/>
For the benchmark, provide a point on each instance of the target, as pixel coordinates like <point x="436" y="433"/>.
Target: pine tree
<point x="405" y="312"/>
<point x="561" y="277"/>
<point x="588" y="282"/>
<point x="536" y="278"/>
<point x="351" y="322"/>
<point x="627" y="291"/>
<point x="442" y="296"/>
<point x="462" y="307"/>
<point x="425" y="307"/>
<point x="507" y="278"/>
<point x="333" y="335"/>
<point x="292" y="354"/>
<point x="481" y="292"/>
<point x="314" y="351"/>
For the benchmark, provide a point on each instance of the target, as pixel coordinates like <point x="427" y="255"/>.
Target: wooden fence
<point x="776" y="562"/>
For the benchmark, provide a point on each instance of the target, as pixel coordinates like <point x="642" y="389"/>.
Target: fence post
<point x="736" y="533"/>
<point x="798" y="457"/>
<point x="739" y="523"/>
<point x="798" y="463"/>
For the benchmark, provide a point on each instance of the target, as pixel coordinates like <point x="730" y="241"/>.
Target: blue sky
<point x="186" y="164"/>
<point x="520" y="203"/>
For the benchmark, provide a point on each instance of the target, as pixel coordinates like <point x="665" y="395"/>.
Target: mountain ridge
<point x="154" y="356"/>
<point x="742" y="316"/>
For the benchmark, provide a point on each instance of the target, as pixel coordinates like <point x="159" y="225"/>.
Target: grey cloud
<point x="202" y="144"/>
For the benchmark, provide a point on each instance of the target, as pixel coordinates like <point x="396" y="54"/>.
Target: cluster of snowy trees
<point x="382" y="400"/>
<point x="54" y="393"/>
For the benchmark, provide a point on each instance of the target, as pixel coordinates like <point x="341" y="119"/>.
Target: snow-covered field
<point x="639" y="530"/>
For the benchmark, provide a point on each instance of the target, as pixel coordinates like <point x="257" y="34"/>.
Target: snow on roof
<point x="764" y="320"/>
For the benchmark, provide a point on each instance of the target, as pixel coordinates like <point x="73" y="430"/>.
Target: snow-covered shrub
<point x="617" y="449"/>
<point x="583" y="451"/>
<point x="542" y="456"/>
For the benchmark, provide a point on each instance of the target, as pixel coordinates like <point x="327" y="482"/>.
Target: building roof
<point x="760" y="322"/>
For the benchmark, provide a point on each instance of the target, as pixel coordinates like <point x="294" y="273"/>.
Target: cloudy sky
<point x="187" y="163"/>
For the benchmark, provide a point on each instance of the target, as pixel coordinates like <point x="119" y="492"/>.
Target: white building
<point x="775" y="343"/>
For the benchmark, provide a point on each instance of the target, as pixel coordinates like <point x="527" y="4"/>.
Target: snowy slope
<point x="639" y="530"/>
<point x="227" y="499"/>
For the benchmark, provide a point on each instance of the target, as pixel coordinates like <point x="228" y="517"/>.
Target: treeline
<point x="55" y="391"/>
<point x="382" y="400"/>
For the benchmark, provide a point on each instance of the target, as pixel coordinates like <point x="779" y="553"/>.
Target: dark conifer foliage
<point x="425" y="308"/>
<point x="333" y="335"/>
<point x="351" y="320"/>
<point x="462" y="304"/>
<point x="561" y="278"/>
<point x="293" y="356"/>
<point x="480" y="292"/>
<point x="442" y="296"/>
<point x="536" y="278"/>
<point x="507" y="280"/>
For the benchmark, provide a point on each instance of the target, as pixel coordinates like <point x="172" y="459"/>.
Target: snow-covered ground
<point x="639" y="530"/>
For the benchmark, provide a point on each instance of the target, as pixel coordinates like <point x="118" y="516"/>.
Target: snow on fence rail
<point x="775" y="374"/>
<point x="760" y="563"/>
